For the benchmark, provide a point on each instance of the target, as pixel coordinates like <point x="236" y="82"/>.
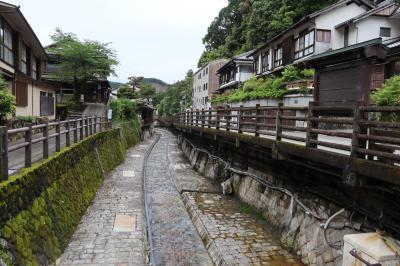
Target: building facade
<point x="205" y="84"/>
<point x="235" y="72"/>
<point x="345" y="23"/>
<point x="22" y="61"/>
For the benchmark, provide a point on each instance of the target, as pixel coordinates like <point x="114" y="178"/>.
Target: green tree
<point x="82" y="61"/>
<point x="246" y="24"/>
<point x="126" y="91"/>
<point x="7" y="100"/>
<point x="170" y="104"/>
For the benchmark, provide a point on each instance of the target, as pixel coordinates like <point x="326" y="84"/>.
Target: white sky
<point x="153" y="38"/>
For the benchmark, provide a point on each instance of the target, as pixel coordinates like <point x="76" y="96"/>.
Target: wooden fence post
<point x="28" y="147"/>
<point x="90" y="125"/>
<point x="81" y="129"/>
<point x="86" y="127"/>
<point x="311" y="125"/>
<point x="46" y="141"/>
<point x="217" y="118"/>
<point x="209" y="117"/>
<point x="101" y="124"/>
<point x="257" y="127"/>
<point x="278" y="121"/>
<point x="67" y="135"/>
<point x="202" y="118"/>
<point x="4" y="153"/>
<point x="95" y="125"/>
<point x="58" y="136"/>
<point x="76" y="131"/>
<point x="239" y="120"/>
<point x="197" y="117"/>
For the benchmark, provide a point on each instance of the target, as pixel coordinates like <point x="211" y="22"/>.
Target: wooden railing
<point x="354" y="131"/>
<point x="79" y="128"/>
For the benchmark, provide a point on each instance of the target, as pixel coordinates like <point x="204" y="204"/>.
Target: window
<point x="24" y="59"/>
<point x="384" y="32"/>
<point x="278" y="56"/>
<point x="46" y="104"/>
<point x="34" y="69"/>
<point x="324" y="36"/>
<point x="265" y="62"/>
<point x="255" y="64"/>
<point x="207" y="71"/>
<point x="6" y="46"/>
<point x="346" y="36"/>
<point x="304" y="44"/>
<point x="199" y="76"/>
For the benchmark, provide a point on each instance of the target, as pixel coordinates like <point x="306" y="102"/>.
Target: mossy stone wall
<point x="41" y="207"/>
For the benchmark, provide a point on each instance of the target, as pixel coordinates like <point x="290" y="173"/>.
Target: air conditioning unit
<point x="370" y="249"/>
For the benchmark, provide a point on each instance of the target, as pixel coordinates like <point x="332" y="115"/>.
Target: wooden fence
<point x="78" y="129"/>
<point x="357" y="131"/>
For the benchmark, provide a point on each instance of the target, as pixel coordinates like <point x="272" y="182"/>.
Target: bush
<point x="7" y="100"/>
<point x="388" y="95"/>
<point x="26" y="119"/>
<point x="123" y="109"/>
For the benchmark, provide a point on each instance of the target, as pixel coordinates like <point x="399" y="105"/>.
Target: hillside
<point x="157" y="84"/>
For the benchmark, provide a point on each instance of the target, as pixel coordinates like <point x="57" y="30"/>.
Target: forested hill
<point x="246" y="24"/>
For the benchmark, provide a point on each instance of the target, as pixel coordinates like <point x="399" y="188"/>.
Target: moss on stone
<point x="41" y="207"/>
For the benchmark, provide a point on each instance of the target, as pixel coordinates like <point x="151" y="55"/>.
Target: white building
<point x="342" y="24"/>
<point x="235" y="72"/>
<point x="205" y="84"/>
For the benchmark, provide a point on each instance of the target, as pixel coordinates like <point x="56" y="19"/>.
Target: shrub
<point x="26" y="119"/>
<point x="123" y="109"/>
<point x="388" y="95"/>
<point x="7" y="100"/>
<point x="291" y="73"/>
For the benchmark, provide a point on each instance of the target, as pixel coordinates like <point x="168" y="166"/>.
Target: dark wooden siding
<point x="378" y="76"/>
<point x="21" y="94"/>
<point x="288" y="50"/>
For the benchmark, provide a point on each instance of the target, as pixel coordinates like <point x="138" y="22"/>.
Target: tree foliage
<point x="388" y="95"/>
<point x="7" y="100"/>
<point x="246" y="24"/>
<point x="82" y="61"/>
<point x="177" y="92"/>
<point x="126" y="91"/>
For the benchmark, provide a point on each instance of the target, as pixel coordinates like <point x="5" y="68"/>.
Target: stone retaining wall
<point x="300" y="232"/>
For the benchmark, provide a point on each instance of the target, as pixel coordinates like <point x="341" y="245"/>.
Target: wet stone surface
<point x="112" y="230"/>
<point x="176" y="241"/>
<point x="233" y="236"/>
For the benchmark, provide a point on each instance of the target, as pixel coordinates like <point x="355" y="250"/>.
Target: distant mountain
<point x="115" y="84"/>
<point x="157" y="84"/>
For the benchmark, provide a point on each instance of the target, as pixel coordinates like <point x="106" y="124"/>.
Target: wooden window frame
<point x="21" y="94"/>
<point x="256" y="64"/>
<point x="34" y="69"/>
<point x="278" y="56"/>
<point x="300" y="52"/>
<point x="382" y="31"/>
<point x="24" y="58"/>
<point x="265" y="67"/>
<point x="5" y="46"/>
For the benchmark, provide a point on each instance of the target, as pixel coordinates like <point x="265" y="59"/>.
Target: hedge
<point x="41" y="207"/>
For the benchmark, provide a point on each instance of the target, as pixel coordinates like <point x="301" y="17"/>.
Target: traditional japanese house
<point x="22" y="61"/>
<point x="235" y="72"/>
<point x="342" y="24"/>
<point x="96" y="91"/>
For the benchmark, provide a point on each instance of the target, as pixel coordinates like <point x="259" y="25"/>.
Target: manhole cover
<point x="128" y="173"/>
<point x="124" y="223"/>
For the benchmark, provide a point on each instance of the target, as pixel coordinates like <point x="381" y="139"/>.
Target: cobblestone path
<point x="234" y="236"/>
<point x="111" y="232"/>
<point x="176" y="241"/>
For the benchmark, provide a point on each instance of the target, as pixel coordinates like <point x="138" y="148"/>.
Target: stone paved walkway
<point x="234" y="236"/>
<point x="112" y="230"/>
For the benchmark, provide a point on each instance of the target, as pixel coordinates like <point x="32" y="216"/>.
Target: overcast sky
<point x="153" y="38"/>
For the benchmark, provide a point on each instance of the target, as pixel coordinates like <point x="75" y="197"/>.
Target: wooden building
<point x="22" y="61"/>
